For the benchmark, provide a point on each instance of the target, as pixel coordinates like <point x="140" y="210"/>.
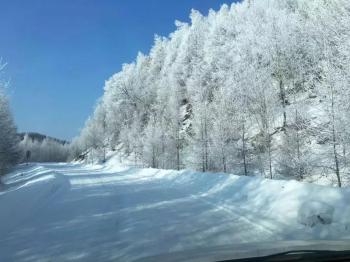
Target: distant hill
<point x="40" y="137"/>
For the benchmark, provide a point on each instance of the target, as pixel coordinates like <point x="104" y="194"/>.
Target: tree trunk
<point x="283" y="100"/>
<point x="270" y="158"/>
<point x="163" y="149"/>
<point x="344" y="155"/>
<point x="135" y="158"/>
<point x="202" y="146"/>
<point x="224" y="162"/>
<point x="177" y="157"/>
<point x="266" y="131"/>
<point x="300" y="168"/>
<point x="244" y="150"/>
<point x="153" y="158"/>
<point x="206" y="143"/>
<point x="104" y="154"/>
<point x="178" y="145"/>
<point x="336" y="161"/>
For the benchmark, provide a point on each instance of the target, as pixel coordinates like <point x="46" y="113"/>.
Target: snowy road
<point x="57" y="212"/>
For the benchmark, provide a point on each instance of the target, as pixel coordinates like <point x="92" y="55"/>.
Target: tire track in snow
<point x="30" y="207"/>
<point x="237" y="212"/>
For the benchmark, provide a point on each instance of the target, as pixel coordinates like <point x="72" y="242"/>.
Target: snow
<point x="114" y="212"/>
<point x="315" y="212"/>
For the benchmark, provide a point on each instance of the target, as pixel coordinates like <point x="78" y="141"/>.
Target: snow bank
<point x="315" y="212"/>
<point x="26" y="191"/>
<point x="290" y="204"/>
<point x="323" y="211"/>
<point x="299" y="210"/>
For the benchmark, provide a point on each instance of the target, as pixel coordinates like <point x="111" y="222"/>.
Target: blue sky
<point x="59" y="53"/>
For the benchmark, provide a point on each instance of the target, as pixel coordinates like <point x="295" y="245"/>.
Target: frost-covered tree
<point x="9" y="153"/>
<point x="44" y="149"/>
<point x="295" y="159"/>
<point x="239" y="90"/>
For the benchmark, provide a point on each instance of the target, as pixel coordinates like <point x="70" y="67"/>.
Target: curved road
<point x="59" y="212"/>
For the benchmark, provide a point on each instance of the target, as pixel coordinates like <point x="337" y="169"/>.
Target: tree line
<point x="40" y="148"/>
<point x="16" y="148"/>
<point x="260" y="86"/>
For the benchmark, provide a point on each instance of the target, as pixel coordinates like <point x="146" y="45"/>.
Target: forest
<point x="258" y="87"/>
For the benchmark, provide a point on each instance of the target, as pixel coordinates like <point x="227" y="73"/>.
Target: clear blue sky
<point x="60" y="52"/>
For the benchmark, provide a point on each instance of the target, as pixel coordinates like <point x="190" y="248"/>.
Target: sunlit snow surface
<point x="58" y="212"/>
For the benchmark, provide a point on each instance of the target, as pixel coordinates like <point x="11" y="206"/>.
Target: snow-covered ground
<point x="58" y="212"/>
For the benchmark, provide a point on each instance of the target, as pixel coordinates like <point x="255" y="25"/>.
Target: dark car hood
<point x="249" y="250"/>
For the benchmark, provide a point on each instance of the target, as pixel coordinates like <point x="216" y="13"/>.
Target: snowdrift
<point x="289" y="204"/>
<point x="317" y="211"/>
<point x="25" y="192"/>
